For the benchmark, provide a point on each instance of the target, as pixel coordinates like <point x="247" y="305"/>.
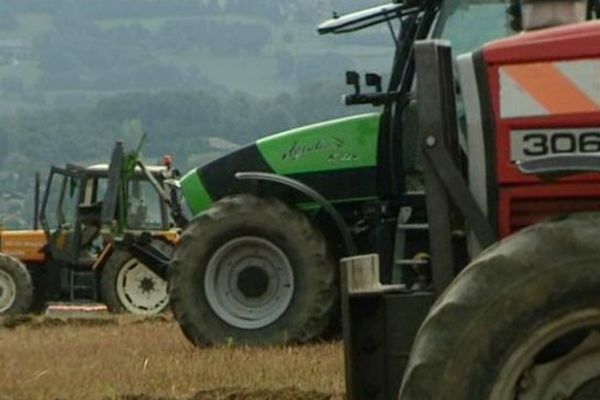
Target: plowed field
<point x="135" y="359"/>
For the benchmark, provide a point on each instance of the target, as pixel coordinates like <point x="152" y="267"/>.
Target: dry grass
<point x="129" y="359"/>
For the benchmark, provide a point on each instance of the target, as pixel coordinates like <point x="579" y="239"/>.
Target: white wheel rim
<point x="8" y="291"/>
<point x="249" y="282"/>
<point x="565" y="378"/>
<point x="140" y="290"/>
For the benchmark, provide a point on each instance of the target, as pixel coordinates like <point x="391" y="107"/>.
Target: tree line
<point x="192" y="126"/>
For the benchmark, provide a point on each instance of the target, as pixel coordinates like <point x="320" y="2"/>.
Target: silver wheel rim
<point x="574" y="375"/>
<point x="249" y="282"/>
<point x="8" y="291"/>
<point x="140" y="290"/>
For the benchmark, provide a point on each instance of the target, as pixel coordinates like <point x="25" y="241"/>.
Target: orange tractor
<point x="99" y="224"/>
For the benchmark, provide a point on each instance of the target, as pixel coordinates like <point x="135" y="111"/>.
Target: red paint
<point x="523" y="199"/>
<point x="566" y="42"/>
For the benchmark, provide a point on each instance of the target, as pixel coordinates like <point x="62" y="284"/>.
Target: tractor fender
<point x="337" y="219"/>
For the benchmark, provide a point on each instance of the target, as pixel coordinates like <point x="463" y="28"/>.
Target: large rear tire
<point x="521" y="322"/>
<point x="129" y="286"/>
<point x="16" y="286"/>
<point x="252" y="271"/>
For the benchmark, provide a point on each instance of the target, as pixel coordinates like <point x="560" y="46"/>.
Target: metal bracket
<point x="445" y="185"/>
<point x="141" y="247"/>
<point x="115" y="169"/>
<point x="457" y="188"/>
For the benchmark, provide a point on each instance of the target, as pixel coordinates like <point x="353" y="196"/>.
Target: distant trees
<point x="183" y="124"/>
<point x="328" y="66"/>
<point x="72" y="50"/>
<point x="220" y="37"/>
<point x="3" y="144"/>
<point x="78" y="55"/>
<point x="7" y="21"/>
<point x="177" y="122"/>
<point x="12" y="86"/>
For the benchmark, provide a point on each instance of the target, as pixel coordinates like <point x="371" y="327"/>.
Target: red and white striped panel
<point x="549" y="88"/>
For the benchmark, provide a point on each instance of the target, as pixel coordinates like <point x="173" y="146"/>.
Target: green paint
<point x="332" y="145"/>
<point x="195" y="193"/>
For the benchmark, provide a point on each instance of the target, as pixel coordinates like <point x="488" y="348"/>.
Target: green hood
<point x="337" y="158"/>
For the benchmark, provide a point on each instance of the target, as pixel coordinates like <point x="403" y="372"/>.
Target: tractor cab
<point x="107" y="234"/>
<point x="85" y="211"/>
<point x="76" y="198"/>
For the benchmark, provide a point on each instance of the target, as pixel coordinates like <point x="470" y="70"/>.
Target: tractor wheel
<point x="252" y="271"/>
<point x="128" y="285"/>
<point x="521" y="322"/>
<point x="16" y="286"/>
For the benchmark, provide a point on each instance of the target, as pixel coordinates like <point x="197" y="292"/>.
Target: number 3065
<point x="541" y="144"/>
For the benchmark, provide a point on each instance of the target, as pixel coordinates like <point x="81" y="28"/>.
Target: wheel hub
<point x="249" y="282"/>
<point x="563" y="378"/>
<point x="8" y="291"/>
<point x="147" y="285"/>
<point x="253" y="282"/>
<point x="560" y="361"/>
<point x="140" y="290"/>
<point x="588" y="391"/>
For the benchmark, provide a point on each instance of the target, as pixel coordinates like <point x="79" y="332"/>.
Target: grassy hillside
<point x="77" y="75"/>
<point x="58" y="52"/>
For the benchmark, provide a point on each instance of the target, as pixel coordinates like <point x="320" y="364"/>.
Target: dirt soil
<point x="131" y="358"/>
<point x="245" y="394"/>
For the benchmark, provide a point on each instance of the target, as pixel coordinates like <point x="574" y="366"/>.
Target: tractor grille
<point x="528" y="211"/>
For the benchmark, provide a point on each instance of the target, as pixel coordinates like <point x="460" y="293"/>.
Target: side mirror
<point x="374" y="80"/>
<point x="353" y="79"/>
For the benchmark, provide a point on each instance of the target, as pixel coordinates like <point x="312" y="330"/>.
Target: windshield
<point x="468" y="24"/>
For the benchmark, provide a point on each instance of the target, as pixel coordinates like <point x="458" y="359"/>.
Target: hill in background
<point x="199" y="76"/>
<point x="65" y="52"/>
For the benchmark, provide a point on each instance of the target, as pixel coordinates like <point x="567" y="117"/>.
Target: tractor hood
<point x="337" y="158"/>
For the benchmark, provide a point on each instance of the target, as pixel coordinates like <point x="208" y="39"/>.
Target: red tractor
<point x="508" y="304"/>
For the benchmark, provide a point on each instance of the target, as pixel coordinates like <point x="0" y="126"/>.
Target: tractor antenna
<point x="393" y="33"/>
<point x="132" y="157"/>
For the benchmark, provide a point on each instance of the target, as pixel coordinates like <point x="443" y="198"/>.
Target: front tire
<point x="129" y="286"/>
<point x="252" y="271"/>
<point x="522" y="321"/>
<point x="16" y="287"/>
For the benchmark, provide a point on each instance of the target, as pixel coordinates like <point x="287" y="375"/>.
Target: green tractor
<point x="259" y="262"/>
<point x="482" y="285"/>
